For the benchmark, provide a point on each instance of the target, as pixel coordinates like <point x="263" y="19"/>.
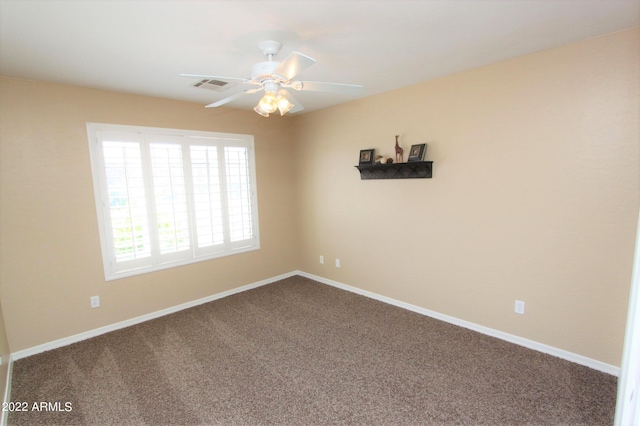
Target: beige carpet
<point x="297" y="352"/>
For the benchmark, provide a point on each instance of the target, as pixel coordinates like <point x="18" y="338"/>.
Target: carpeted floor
<point x="297" y="352"/>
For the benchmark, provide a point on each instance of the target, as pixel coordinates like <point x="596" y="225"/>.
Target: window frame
<point x="145" y="137"/>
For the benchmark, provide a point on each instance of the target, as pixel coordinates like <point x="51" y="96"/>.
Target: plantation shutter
<point x="166" y="198"/>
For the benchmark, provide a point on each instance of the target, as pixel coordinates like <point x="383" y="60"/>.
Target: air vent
<point x="211" y="84"/>
<point x="216" y="84"/>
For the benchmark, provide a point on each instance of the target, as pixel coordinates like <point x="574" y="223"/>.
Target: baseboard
<point x="540" y="347"/>
<point x="137" y="320"/>
<point x="7" y="392"/>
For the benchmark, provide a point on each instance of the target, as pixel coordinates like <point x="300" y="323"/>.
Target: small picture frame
<point x="366" y="156"/>
<point x="417" y="152"/>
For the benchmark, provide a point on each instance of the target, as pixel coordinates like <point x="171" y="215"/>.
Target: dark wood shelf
<point x="410" y="170"/>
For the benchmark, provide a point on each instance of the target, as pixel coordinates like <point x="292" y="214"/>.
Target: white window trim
<point x="144" y="135"/>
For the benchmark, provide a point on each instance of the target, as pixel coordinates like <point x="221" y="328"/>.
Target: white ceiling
<point x="141" y="46"/>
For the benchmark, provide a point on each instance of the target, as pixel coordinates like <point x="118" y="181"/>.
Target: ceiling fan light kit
<point x="284" y="106"/>
<point x="275" y="77"/>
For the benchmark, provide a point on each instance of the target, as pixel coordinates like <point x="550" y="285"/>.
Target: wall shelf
<point x="411" y="170"/>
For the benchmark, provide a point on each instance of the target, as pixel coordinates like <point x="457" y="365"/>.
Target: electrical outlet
<point x="95" y="301"/>
<point x="337" y="263"/>
<point x="519" y="309"/>
<point x="321" y="260"/>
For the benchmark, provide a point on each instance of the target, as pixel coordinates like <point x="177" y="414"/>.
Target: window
<point x="170" y="197"/>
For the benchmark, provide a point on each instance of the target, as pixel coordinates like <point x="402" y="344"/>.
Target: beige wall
<point x="50" y="249"/>
<point x="535" y="194"/>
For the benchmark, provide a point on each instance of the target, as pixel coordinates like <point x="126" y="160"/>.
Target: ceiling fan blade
<point x="293" y="65"/>
<point x="214" y="77"/>
<point x="316" y="86"/>
<point x="233" y="97"/>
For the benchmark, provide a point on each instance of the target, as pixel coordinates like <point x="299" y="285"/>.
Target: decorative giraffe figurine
<point x="399" y="151"/>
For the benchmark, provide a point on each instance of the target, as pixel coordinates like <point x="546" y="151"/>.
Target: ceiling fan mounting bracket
<point x="270" y="47"/>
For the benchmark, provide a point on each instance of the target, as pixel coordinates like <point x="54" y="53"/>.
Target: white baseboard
<point x="540" y="347"/>
<point x="137" y="320"/>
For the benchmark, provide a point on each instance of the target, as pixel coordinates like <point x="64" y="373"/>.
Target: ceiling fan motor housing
<point x="263" y="71"/>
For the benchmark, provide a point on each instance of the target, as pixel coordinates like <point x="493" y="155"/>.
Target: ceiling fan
<point x="275" y="78"/>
